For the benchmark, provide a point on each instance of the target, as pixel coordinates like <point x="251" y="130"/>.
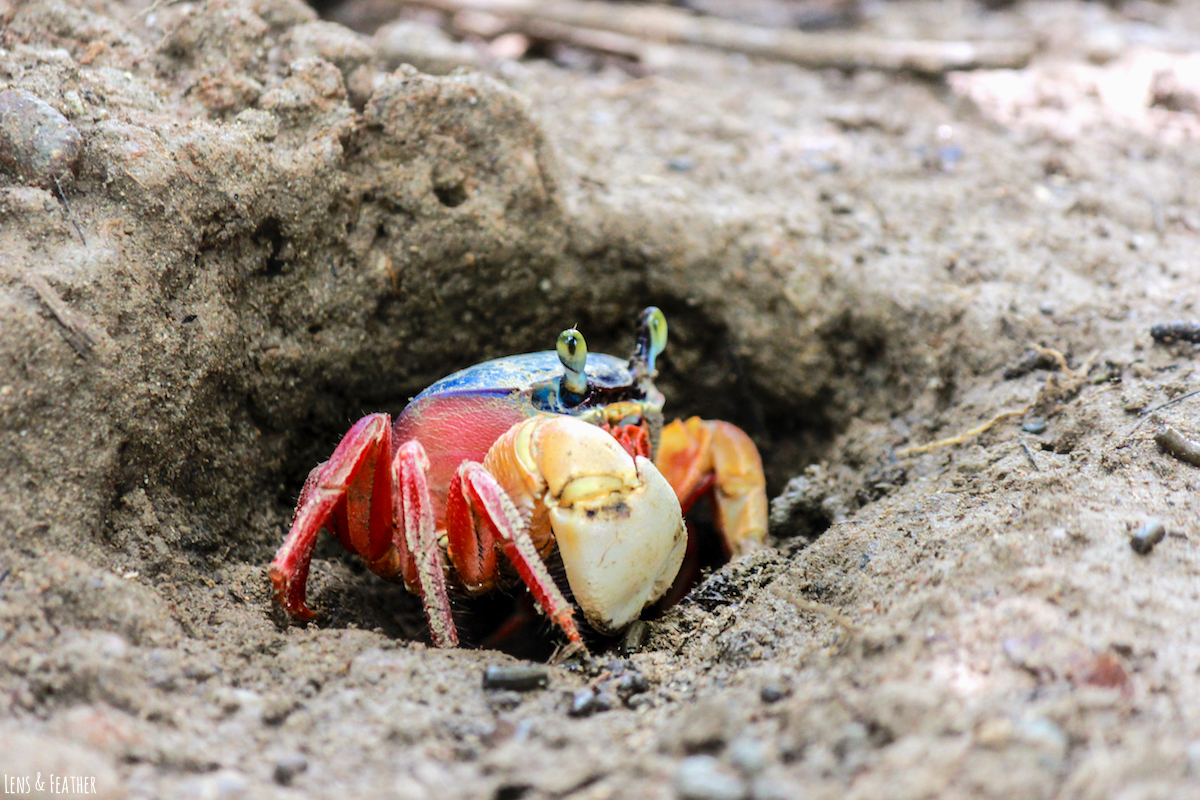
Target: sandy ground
<point x="280" y="234"/>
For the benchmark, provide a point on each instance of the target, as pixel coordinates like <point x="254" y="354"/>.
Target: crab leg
<point x="474" y="491"/>
<point x="327" y="487"/>
<point x="698" y="456"/>
<point x="413" y="513"/>
<point x="379" y="509"/>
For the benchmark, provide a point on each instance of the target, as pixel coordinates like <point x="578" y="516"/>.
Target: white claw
<point x="622" y="549"/>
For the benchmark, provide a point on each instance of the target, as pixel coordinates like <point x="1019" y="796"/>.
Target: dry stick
<point x="816" y="50"/>
<point x="1178" y="445"/>
<point x="1148" y="413"/>
<point x="77" y="330"/>
<point x="962" y="437"/>
<point x="1029" y="454"/>
<point x="804" y="605"/>
<point x="488" y="26"/>
<point x="70" y="211"/>
<point x="601" y="41"/>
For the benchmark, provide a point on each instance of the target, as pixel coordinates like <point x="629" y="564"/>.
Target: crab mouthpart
<point x="622" y="543"/>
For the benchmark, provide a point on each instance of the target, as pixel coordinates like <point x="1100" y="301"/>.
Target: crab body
<point x="461" y="416"/>
<point x="510" y="458"/>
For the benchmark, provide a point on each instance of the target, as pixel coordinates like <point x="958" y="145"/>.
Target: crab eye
<point x="651" y="340"/>
<point x="572" y="352"/>
<point x="656" y="322"/>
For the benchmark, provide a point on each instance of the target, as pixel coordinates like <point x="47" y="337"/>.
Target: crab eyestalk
<point x="572" y="352"/>
<point x="651" y="340"/>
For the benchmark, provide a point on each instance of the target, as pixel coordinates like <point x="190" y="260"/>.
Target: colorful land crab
<point x="519" y="455"/>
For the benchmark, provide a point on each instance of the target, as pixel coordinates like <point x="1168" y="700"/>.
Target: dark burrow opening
<point x="790" y="438"/>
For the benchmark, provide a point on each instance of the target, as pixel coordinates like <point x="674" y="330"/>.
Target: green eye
<point x="652" y="338"/>
<point x="572" y="352"/>
<point x="656" y="321"/>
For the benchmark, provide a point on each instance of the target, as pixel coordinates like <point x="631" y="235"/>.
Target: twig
<point x="804" y="605"/>
<point x="818" y="51"/>
<point x="80" y="333"/>
<point x="964" y="436"/>
<point x="1150" y="411"/>
<point x="1029" y="454"/>
<point x="488" y="26"/>
<point x="1176" y="444"/>
<point x="70" y="211"/>
<point x="602" y="41"/>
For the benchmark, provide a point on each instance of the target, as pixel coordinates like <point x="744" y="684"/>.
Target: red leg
<point x="472" y="547"/>
<point x="414" y="517"/>
<point x="326" y="486"/>
<point x="380" y="510"/>
<point x="496" y="510"/>
<point x="634" y="438"/>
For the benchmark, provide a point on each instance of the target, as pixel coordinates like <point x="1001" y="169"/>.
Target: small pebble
<point x="288" y="767"/>
<point x="583" y="704"/>
<point x="701" y="778"/>
<point x="1146" y="537"/>
<point x="631" y="683"/>
<point x="36" y="142"/>
<point x="1046" y="307"/>
<point x="605" y="701"/>
<point x="681" y="164"/>
<point x="591" y="701"/>
<point x="771" y="693"/>
<point x="635" y="637"/>
<point x="1034" y="425"/>
<point x="517" y="678"/>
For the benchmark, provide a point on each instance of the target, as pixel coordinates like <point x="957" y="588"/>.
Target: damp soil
<point x="277" y="229"/>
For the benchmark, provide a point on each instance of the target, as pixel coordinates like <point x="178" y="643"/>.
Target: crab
<point x="489" y="470"/>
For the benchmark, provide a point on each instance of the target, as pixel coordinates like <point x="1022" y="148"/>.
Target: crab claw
<point x="615" y="518"/>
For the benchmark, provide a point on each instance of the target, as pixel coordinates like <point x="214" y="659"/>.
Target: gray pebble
<point x="605" y="701"/>
<point x="1146" y="537"/>
<point x="516" y="677"/>
<point x="771" y="693"/>
<point x="631" y="683"/>
<point x="583" y="704"/>
<point x="701" y="778"/>
<point x="1034" y="425"/>
<point x="288" y="767"/>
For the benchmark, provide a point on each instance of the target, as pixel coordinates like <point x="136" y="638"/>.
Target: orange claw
<point x="698" y="455"/>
